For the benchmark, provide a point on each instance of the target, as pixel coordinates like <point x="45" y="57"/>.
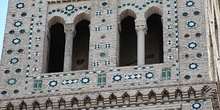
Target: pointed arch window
<point x="80" y="57"/>
<point x="81" y="46"/>
<point x="128" y="39"/>
<point x="67" y="45"/>
<point x="154" y="40"/>
<point x="56" y="45"/>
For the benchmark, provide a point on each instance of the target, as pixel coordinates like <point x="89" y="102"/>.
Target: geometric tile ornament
<point x="193" y="66"/>
<point x="20" y="5"/>
<point x="189" y="3"/>
<point x="149" y="75"/>
<point x="14" y="60"/>
<point x="197" y="105"/>
<point x="11" y="81"/>
<point x="85" y="80"/>
<point x="53" y="83"/>
<point x="117" y="78"/>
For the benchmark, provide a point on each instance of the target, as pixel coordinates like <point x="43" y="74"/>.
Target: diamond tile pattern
<point x="72" y="81"/>
<point x="133" y="76"/>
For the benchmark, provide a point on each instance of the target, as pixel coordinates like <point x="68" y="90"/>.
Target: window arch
<point x="80" y="56"/>
<point x="154" y="37"/>
<point x="128" y="39"/>
<point x="55" y="45"/>
<point x="127" y="13"/>
<point x="153" y="10"/>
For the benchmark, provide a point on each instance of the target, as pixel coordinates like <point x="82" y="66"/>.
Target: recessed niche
<point x="4" y="92"/>
<point x="186" y="56"/>
<point x="37" y="45"/>
<point x="20" y="50"/>
<point x="13" y="15"/>
<point x="16" y="91"/>
<point x="187" y="77"/>
<point x="103" y="20"/>
<point x="185" y="14"/>
<point x="199" y="76"/>
<point x="186" y="35"/>
<point x="7" y="71"/>
<point x="198" y="34"/>
<point x="18" y="70"/>
<point x="24" y="14"/>
<point x="102" y="37"/>
<point x="196" y="13"/>
<point x="22" y="31"/>
<point x="9" y="51"/>
<point x="11" y="32"/>
<point x="199" y="55"/>
<point x="104" y="3"/>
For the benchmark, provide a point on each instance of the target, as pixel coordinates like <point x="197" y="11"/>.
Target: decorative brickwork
<point x="111" y="54"/>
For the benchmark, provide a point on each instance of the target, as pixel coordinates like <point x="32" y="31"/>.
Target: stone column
<point x="69" y="32"/>
<point x="140" y="26"/>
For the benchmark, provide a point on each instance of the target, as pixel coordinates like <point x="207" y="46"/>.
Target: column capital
<point x="141" y="28"/>
<point x="140" y="25"/>
<point x="69" y="28"/>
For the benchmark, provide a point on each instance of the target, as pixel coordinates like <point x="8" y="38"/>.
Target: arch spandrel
<point x="75" y="18"/>
<point x="153" y="10"/>
<point x="81" y="16"/>
<point x="126" y="13"/>
<point x="54" y="20"/>
<point x="139" y="9"/>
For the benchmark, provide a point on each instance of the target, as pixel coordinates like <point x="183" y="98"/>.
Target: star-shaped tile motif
<point x="16" y="41"/>
<point x="192" y="45"/>
<point x="85" y="80"/>
<point x="20" y="5"/>
<point x="149" y="75"/>
<point x="117" y="78"/>
<point x="53" y="83"/>
<point x="69" y="7"/>
<point x="11" y="81"/>
<point x="191" y="24"/>
<point x="18" y="23"/>
<point x="14" y="60"/>
<point x="193" y="66"/>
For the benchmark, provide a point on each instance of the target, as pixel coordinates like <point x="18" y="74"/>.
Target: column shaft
<point x="141" y="48"/>
<point x="140" y="26"/>
<point x="69" y="29"/>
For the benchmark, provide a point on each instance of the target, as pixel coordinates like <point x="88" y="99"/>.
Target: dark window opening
<point x="57" y="47"/>
<point x="128" y="42"/>
<point x="81" y="46"/>
<point x="154" y="40"/>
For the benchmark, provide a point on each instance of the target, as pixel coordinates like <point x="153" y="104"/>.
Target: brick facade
<point x="186" y="79"/>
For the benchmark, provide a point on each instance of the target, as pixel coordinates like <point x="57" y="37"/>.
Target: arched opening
<point x="154" y="40"/>
<point x="81" y="46"/>
<point x="128" y="40"/>
<point x="56" y="48"/>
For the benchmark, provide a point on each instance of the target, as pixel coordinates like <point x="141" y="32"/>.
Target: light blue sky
<point x="3" y="12"/>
